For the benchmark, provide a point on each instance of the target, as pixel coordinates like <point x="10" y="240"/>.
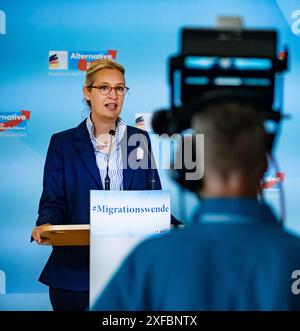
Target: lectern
<point x="66" y="235"/>
<point x="119" y="220"/>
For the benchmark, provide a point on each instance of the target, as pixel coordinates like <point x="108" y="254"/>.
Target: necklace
<point x="105" y="144"/>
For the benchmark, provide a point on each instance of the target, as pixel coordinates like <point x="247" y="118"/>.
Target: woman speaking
<point x="92" y="156"/>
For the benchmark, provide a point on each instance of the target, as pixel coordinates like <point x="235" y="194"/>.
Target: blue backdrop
<point x="144" y="34"/>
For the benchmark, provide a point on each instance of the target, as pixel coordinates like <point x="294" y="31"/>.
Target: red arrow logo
<point x="113" y="53"/>
<point x="13" y="123"/>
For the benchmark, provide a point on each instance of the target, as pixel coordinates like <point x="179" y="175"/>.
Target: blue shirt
<point x="235" y="256"/>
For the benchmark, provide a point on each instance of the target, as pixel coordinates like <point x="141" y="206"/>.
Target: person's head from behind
<point x="234" y="149"/>
<point x="104" y="89"/>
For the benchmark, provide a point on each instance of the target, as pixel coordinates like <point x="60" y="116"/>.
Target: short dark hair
<point x="234" y="137"/>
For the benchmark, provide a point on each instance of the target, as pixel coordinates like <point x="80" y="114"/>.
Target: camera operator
<point x="235" y="255"/>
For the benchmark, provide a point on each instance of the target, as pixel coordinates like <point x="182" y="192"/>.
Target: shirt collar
<point x="239" y="209"/>
<point x="120" y="128"/>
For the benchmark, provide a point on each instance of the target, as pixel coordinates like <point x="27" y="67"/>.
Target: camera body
<point x="216" y="65"/>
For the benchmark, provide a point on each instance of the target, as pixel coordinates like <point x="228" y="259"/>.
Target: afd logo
<point x="14" y="123"/>
<point x="58" y="60"/>
<point x="273" y="182"/>
<point x="77" y="60"/>
<point x="296" y="23"/>
<point x="2" y="22"/>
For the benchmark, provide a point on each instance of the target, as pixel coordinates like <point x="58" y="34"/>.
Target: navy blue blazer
<point x="70" y="173"/>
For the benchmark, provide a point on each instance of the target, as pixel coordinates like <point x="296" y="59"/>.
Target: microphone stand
<point x="107" y="179"/>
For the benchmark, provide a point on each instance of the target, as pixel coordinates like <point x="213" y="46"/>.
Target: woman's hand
<point x="36" y="234"/>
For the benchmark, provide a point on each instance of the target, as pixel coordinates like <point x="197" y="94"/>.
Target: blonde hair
<point x="97" y="65"/>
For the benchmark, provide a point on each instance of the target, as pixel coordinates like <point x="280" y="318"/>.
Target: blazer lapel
<point x="86" y="152"/>
<point x="126" y="152"/>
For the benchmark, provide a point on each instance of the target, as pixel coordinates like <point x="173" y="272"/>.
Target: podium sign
<point x="119" y="221"/>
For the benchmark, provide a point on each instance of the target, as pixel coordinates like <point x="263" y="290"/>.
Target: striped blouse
<point x="115" y="171"/>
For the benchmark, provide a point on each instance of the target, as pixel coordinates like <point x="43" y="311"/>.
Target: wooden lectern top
<point x="66" y="235"/>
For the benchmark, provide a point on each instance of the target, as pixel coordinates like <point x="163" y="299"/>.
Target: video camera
<point x="217" y="64"/>
<point x="223" y="64"/>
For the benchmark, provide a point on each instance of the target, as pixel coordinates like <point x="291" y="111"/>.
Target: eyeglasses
<point x="106" y="89"/>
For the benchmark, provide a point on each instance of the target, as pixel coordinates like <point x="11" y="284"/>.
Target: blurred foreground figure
<point x="235" y="255"/>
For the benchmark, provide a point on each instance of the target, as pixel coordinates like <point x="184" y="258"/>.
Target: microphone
<point x="152" y="178"/>
<point x="107" y="179"/>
